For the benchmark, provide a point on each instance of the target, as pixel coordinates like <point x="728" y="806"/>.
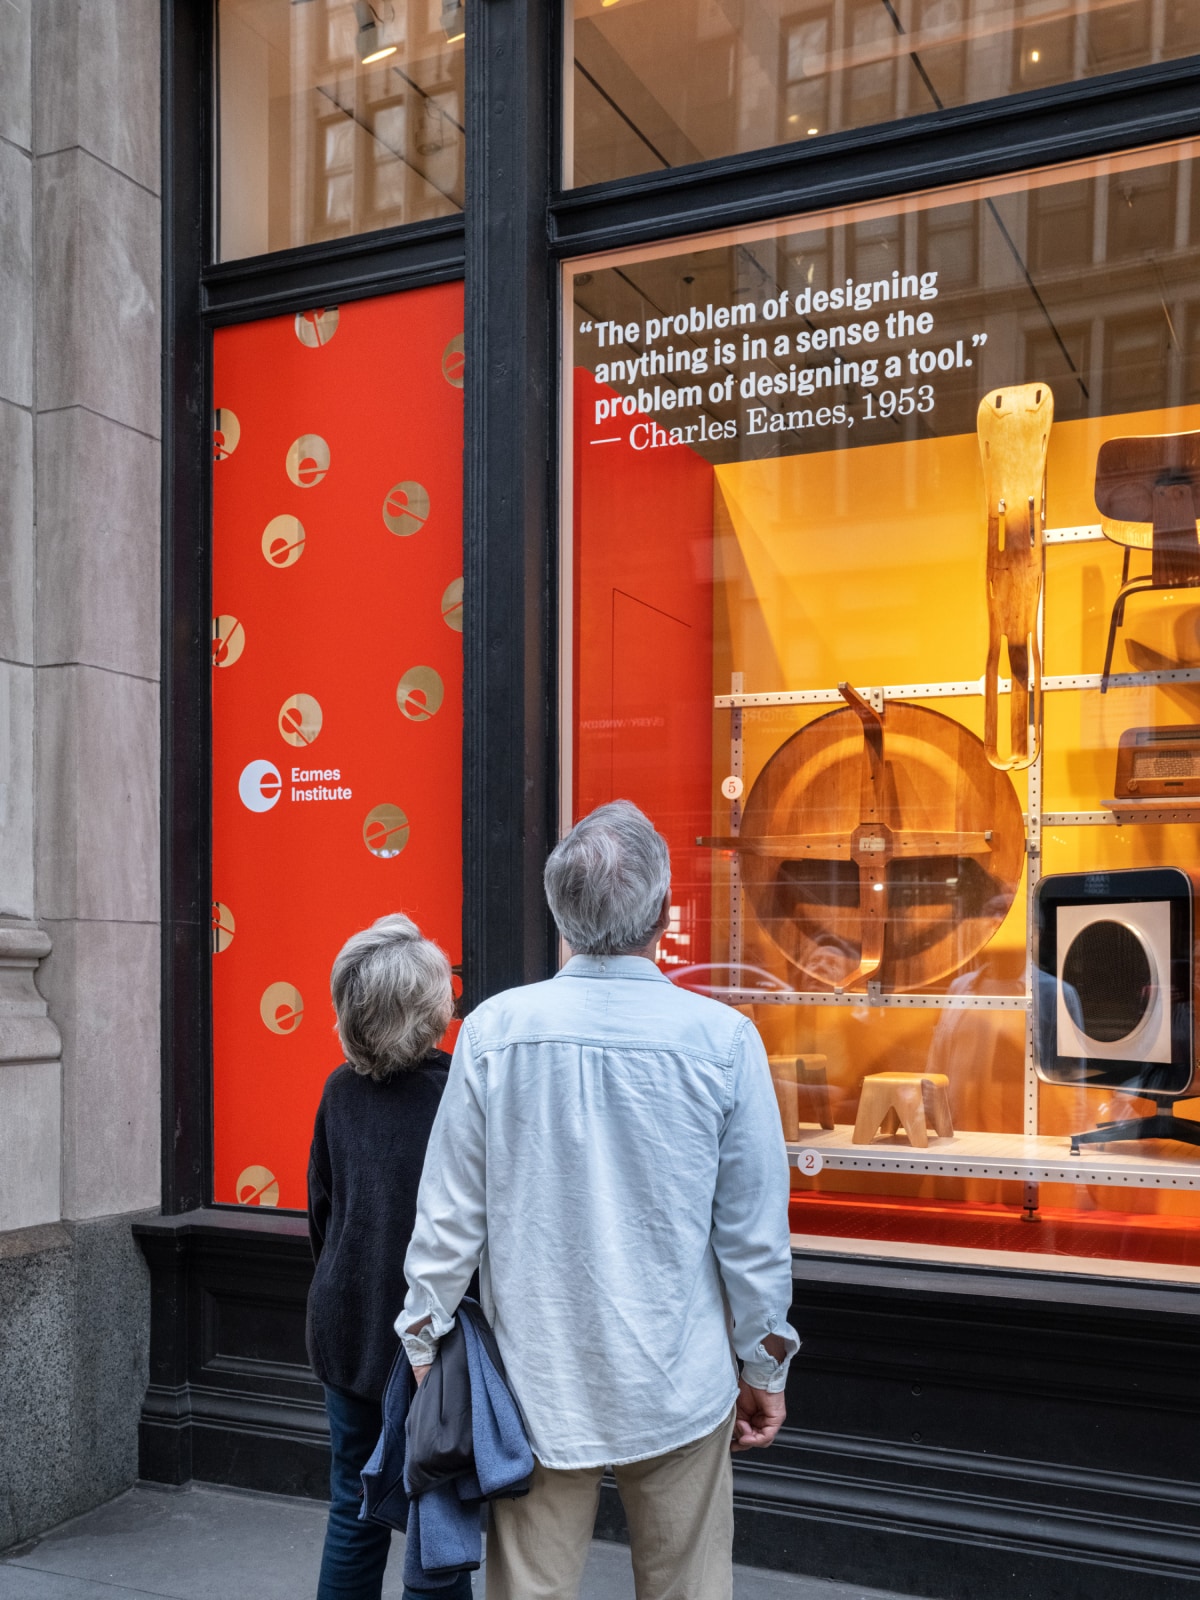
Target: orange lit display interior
<point x="868" y="565"/>
<point x="883" y="583"/>
<point x="337" y="691"/>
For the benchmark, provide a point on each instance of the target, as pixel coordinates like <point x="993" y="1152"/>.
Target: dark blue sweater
<point x="368" y="1148"/>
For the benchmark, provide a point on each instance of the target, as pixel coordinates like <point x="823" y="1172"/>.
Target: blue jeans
<point x="355" y="1554"/>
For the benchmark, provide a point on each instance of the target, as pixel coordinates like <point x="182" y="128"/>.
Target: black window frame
<point x="519" y="226"/>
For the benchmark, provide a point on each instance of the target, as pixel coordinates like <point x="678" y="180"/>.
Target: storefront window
<point x="661" y="83"/>
<point x="336" y="690"/>
<point x="880" y="600"/>
<point x="336" y="117"/>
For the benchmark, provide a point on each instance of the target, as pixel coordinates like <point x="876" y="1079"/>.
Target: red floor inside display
<point x="1112" y="1236"/>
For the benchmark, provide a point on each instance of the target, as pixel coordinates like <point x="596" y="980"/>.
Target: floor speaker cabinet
<point x="1115" y="992"/>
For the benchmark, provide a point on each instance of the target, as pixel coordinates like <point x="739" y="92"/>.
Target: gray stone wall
<point x="80" y="411"/>
<point x="73" y="1370"/>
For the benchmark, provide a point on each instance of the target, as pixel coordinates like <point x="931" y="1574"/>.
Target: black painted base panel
<point x="913" y="1563"/>
<point x="239" y="1458"/>
<point x="966" y="1436"/>
<point x="956" y="1549"/>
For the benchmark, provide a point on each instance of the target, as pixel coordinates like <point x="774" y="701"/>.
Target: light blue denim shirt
<point x="609" y="1154"/>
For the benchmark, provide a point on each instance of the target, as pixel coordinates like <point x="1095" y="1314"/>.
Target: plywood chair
<point x="1148" y="496"/>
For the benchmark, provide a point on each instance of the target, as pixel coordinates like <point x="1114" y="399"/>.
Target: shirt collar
<point x="612" y="967"/>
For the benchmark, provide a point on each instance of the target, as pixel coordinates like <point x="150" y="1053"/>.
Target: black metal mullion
<point x="509" y="776"/>
<point x="1101" y="115"/>
<point x="337" y="271"/>
<point x="185" y="718"/>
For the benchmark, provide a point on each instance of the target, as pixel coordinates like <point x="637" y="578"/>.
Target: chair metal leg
<point x="1138" y="585"/>
<point x="1118" y="613"/>
<point x="1112" y="639"/>
<point x="1160" y="1126"/>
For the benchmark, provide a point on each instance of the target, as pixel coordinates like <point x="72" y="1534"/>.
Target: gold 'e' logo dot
<point x="385" y="831"/>
<point x="281" y="1007"/>
<point x="315" y="328"/>
<point x="419" y="694"/>
<point x="300" y="719"/>
<point x="406" y="508"/>
<point x="452" y="605"/>
<point x="454" y="362"/>
<point x="227" y="430"/>
<point x="223" y="927"/>
<point x="283" y="541"/>
<point x="228" y="641"/>
<point x="258" y="1186"/>
<point x="308" y="460"/>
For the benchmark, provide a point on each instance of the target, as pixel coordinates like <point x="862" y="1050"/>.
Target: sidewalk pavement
<point x="205" y="1543"/>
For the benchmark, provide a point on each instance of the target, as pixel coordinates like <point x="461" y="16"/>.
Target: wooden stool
<point x="909" y="1099"/>
<point x="801" y="1091"/>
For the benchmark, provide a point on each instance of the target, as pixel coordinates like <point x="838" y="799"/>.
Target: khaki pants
<point x="679" y="1507"/>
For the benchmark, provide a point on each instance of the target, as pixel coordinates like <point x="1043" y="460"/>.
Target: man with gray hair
<point x="609" y="1154"/>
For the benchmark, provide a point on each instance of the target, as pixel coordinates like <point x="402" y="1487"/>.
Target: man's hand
<point x="760" y="1416"/>
<point x="421" y="1373"/>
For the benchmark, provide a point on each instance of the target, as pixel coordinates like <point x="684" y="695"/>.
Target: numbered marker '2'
<point x="809" y="1162"/>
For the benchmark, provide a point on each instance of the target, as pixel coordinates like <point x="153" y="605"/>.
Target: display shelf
<point x="1082" y="533"/>
<point x="1016" y="1157"/>
<point x="955" y="688"/>
<point x="1167" y="809"/>
<point x="871" y="996"/>
<point x="1159" y="678"/>
<point x="1122" y="814"/>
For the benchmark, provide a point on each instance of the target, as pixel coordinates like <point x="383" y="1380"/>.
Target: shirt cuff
<point x="421" y="1347"/>
<point x="762" y="1371"/>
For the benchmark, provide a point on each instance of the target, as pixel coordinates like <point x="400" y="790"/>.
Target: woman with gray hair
<point x="391" y="992"/>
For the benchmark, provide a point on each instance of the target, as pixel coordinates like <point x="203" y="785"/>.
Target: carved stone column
<point x="26" y="1031"/>
<point x="30" y="1085"/>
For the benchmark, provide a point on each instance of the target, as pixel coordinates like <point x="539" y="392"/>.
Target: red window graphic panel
<point x="337" y="690"/>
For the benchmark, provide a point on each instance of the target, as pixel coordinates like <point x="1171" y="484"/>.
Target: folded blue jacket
<point x="444" y="1450"/>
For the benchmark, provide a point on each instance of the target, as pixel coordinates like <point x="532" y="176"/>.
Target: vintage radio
<point x="1158" y="763"/>
<point x="1114" y="991"/>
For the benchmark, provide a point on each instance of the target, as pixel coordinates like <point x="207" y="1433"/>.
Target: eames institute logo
<point x="260" y="785"/>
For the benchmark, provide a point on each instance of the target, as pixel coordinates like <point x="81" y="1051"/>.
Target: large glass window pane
<point x="881" y="596"/>
<point x="660" y="83"/>
<point x="336" y="690"/>
<point x="336" y="117"/>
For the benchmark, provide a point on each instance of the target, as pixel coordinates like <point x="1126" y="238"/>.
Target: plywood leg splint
<point x="1014" y="434"/>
